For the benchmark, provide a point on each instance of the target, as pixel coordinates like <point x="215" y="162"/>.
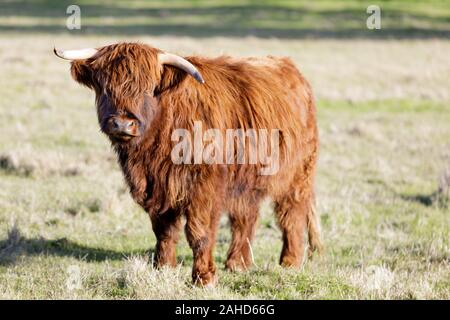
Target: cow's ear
<point x="83" y="74"/>
<point x="170" y="78"/>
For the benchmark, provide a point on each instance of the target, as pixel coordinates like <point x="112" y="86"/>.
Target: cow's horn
<point x="75" y="54"/>
<point x="183" y="64"/>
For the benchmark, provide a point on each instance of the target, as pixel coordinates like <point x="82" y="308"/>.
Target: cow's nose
<point x="124" y="125"/>
<point x="116" y="123"/>
<point x="129" y="124"/>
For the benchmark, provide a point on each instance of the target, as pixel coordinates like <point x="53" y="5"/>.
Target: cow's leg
<point x="292" y="218"/>
<point x="201" y="227"/>
<point x="243" y="224"/>
<point x="167" y="227"/>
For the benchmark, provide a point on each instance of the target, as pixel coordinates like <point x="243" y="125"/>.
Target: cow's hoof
<point x="236" y="265"/>
<point x="206" y="280"/>
<point x="290" y="262"/>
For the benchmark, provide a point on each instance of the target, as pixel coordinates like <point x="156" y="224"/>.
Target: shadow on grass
<point x="15" y="246"/>
<point x="200" y="20"/>
<point x="185" y="30"/>
<point x="424" y="199"/>
<point x="433" y="199"/>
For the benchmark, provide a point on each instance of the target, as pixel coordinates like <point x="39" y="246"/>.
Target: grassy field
<point x="383" y="184"/>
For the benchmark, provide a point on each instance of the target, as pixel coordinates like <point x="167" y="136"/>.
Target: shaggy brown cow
<point x="143" y="95"/>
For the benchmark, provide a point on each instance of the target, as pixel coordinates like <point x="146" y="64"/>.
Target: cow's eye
<point x="130" y="115"/>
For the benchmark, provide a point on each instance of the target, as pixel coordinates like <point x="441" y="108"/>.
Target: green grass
<point x="384" y="120"/>
<point x="269" y="18"/>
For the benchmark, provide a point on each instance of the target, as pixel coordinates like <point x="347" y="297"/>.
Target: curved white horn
<point x="75" y="54"/>
<point x="183" y="64"/>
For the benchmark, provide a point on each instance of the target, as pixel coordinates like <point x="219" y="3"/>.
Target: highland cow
<point x="144" y="94"/>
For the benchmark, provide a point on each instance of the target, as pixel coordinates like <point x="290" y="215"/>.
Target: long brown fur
<point x="248" y="93"/>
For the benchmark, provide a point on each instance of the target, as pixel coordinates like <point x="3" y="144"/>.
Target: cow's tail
<point x="313" y="226"/>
